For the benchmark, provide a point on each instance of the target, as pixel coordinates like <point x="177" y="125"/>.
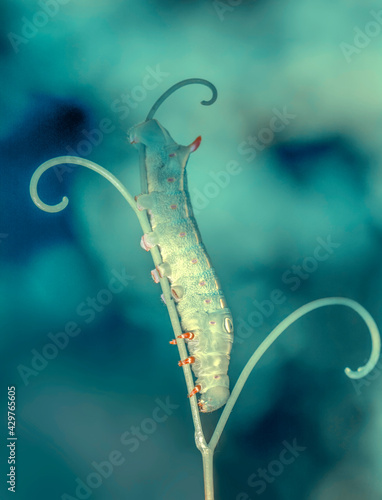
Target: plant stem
<point x="208" y="473"/>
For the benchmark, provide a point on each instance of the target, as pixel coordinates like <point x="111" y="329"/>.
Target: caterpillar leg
<point x="187" y="335"/>
<point x="194" y="391"/>
<point x="144" y="201"/>
<point x="162" y="270"/>
<point x="213" y="399"/>
<point x="155" y="275"/>
<point x="149" y="240"/>
<point x="177" y="293"/>
<point x="187" y="361"/>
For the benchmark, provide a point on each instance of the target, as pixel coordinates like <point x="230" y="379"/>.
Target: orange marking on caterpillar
<point x="195" y="390"/>
<point x="187" y="361"/>
<point x="187" y="335"/>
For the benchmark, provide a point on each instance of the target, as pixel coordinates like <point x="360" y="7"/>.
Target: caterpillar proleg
<point x="205" y="318"/>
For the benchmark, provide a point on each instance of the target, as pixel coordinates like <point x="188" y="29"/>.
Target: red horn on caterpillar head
<point x="194" y="145"/>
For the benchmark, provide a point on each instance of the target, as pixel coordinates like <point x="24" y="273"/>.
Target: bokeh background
<point x="74" y="77"/>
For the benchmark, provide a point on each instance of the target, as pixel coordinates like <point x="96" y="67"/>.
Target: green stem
<point x="208" y="473"/>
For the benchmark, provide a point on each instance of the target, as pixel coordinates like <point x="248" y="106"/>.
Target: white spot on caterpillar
<point x="228" y="325"/>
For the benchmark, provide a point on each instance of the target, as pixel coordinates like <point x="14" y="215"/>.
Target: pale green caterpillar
<point x="179" y="255"/>
<point x="205" y="319"/>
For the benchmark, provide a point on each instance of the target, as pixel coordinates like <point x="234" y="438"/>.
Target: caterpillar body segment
<point x="195" y="286"/>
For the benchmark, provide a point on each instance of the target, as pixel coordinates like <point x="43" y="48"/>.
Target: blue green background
<point x="65" y="72"/>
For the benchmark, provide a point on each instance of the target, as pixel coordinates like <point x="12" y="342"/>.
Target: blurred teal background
<point x="75" y="77"/>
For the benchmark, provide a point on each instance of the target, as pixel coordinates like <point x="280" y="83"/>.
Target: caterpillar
<point x="205" y="319"/>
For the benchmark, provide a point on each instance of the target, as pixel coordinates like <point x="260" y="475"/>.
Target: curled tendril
<point x="280" y="328"/>
<point x="60" y="160"/>
<point x="153" y="110"/>
<point x="177" y="86"/>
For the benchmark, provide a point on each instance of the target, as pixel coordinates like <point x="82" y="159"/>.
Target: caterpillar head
<point x="165" y="160"/>
<point x="213" y="399"/>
